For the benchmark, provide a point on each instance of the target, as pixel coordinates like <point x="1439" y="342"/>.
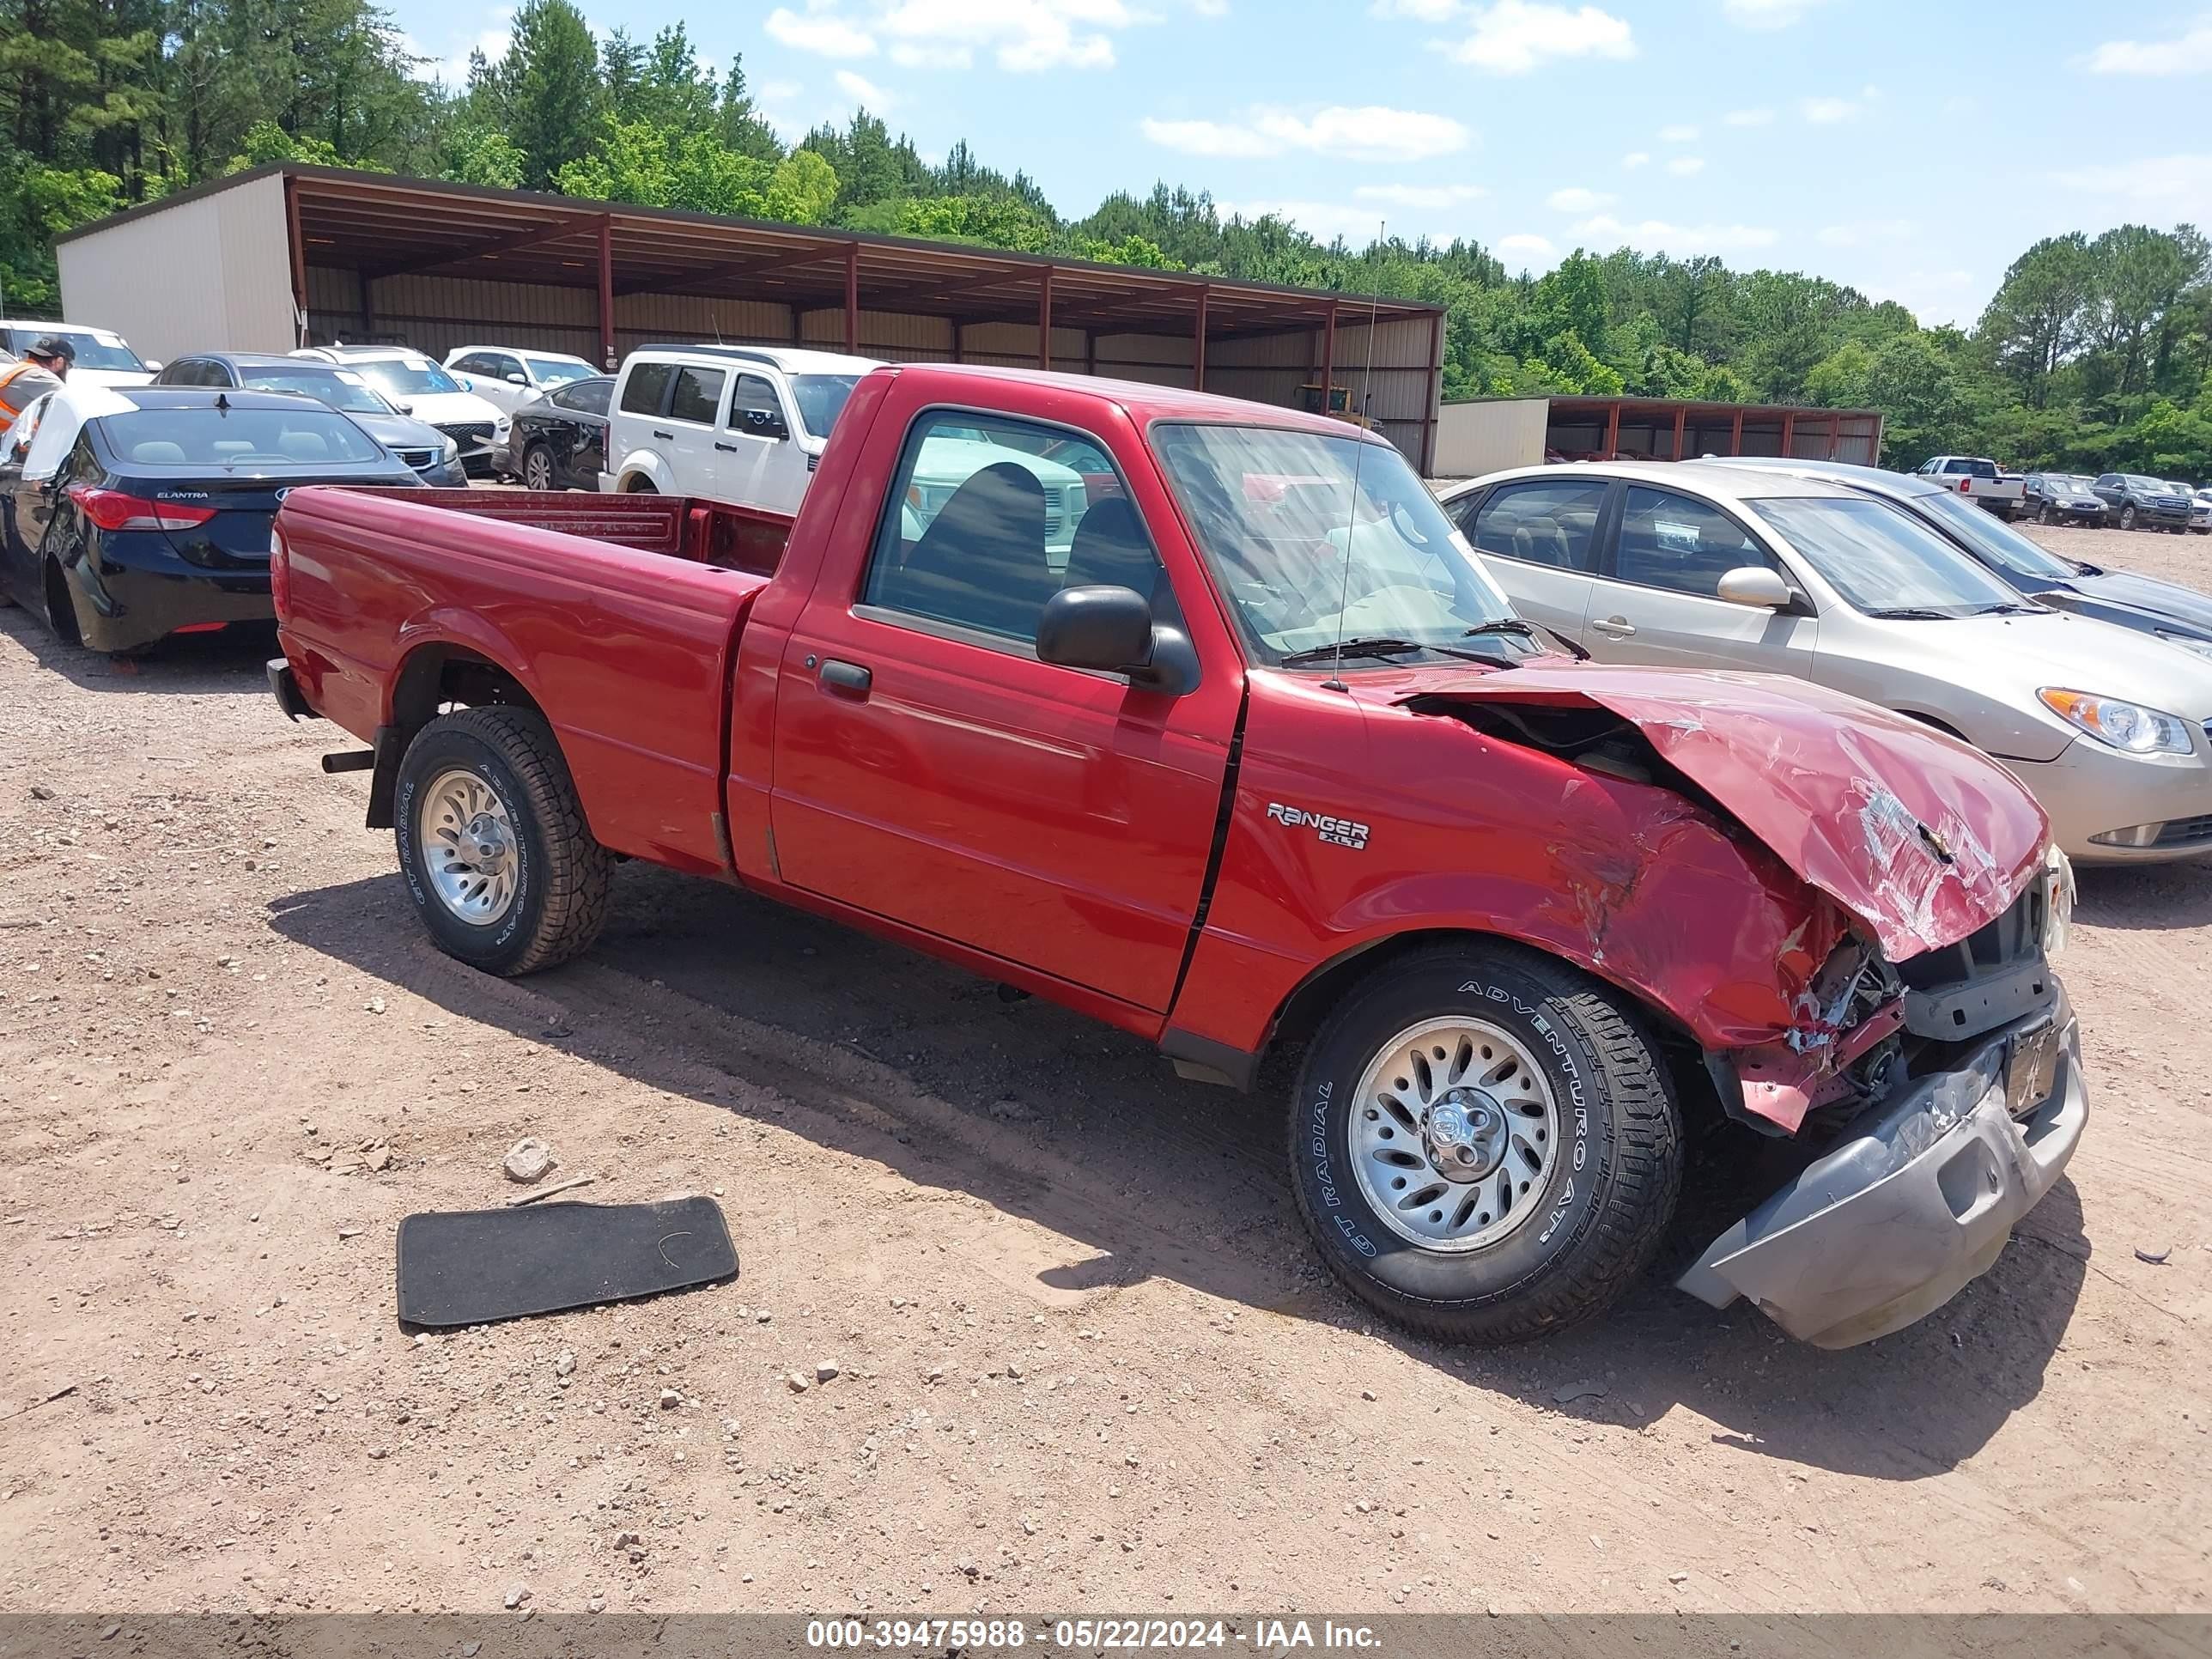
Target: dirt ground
<point x="1085" y="1359"/>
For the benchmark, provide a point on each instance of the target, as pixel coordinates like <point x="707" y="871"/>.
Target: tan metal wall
<point x="1472" y="438"/>
<point x="168" y="283"/>
<point x="1391" y="377"/>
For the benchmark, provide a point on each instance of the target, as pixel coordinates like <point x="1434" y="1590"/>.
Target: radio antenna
<point x="1335" y="680"/>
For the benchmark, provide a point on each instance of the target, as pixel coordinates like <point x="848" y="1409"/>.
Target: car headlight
<point x="453" y="450"/>
<point x="499" y="429"/>
<point x="2128" y="726"/>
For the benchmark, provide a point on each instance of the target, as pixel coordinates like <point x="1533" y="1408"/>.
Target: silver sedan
<point x="1718" y="566"/>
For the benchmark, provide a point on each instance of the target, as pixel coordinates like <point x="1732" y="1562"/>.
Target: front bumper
<point x="444" y="475"/>
<point x="2090" y="790"/>
<point x="1915" y="1201"/>
<point x="137" y="591"/>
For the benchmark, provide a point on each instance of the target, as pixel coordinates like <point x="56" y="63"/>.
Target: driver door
<point x="930" y="770"/>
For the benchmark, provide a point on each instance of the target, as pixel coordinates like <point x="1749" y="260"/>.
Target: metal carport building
<point x="289" y="253"/>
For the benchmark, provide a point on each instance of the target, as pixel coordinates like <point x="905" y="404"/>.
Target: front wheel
<point x="2128" y="517"/>
<point x="1484" y="1145"/>
<point x="2043" y="513"/>
<point x="493" y="842"/>
<point x="538" y="468"/>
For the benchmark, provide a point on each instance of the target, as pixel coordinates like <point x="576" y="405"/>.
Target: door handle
<point x="1618" y="627"/>
<point x="726" y="449"/>
<point x="848" y="679"/>
<point x="666" y="437"/>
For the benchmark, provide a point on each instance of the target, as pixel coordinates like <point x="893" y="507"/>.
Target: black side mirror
<point x="1108" y="628"/>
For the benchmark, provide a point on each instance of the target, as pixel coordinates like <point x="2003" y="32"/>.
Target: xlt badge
<point x="1337" y="832"/>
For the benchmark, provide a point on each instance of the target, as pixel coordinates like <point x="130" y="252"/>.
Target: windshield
<point x="105" y="352"/>
<point x="1882" y="560"/>
<point x="821" y="399"/>
<point x="1996" y="541"/>
<point x="398" y="377"/>
<point x="1303" y="561"/>
<point x="263" y="439"/>
<point x="2136" y="481"/>
<point x="549" y="371"/>
<point x="340" y="389"/>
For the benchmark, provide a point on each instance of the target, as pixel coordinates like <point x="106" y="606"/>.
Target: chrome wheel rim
<point x="469" y="846"/>
<point x="538" y="470"/>
<point x="1454" y="1131"/>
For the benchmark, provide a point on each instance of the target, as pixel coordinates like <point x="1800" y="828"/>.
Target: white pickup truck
<point x="1980" y="480"/>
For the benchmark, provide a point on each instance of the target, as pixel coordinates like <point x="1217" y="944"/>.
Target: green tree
<point x="549" y="86"/>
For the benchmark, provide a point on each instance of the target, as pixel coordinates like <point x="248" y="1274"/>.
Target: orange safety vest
<point x="20" y="387"/>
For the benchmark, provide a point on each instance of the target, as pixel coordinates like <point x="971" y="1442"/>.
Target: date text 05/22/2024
<point x="1087" y="1635"/>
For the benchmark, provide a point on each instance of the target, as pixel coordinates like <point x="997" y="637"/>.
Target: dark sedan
<point x="560" y="441"/>
<point x="2181" y="616"/>
<point x="429" y="453"/>
<point x="2061" y="498"/>
<point x="132" y="513"/>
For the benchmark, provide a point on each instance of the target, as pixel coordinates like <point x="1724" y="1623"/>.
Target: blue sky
<point x="1912" y="150"/>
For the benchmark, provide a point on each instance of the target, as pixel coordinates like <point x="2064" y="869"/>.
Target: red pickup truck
<point x="1233" y="744"/>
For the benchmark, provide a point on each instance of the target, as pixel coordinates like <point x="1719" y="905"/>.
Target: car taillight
<point x="117" y="509"/>
<point x="1967" y="486"/>
<point x="280" y="575"/>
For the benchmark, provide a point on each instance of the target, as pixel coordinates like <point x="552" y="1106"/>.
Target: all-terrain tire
<point x="1601" y="1206"/>
<point x="561" y="873"/>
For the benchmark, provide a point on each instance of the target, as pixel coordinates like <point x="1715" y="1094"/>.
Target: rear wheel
<point x="1483" y="1144"/>
<point x="492" y="839"/>
<point x="642" y="487"/>
<point x="538" y="468"/>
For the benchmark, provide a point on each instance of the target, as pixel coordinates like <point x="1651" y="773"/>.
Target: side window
<point x="986" y="529"/>
<point x="503" y="366"/>
<point x="1673" y="542"/>
<point x="646" y="388"/>
<point x="698" y="394"/>
<point x="756" y="410"/>
<point x="588" y="396"/>
<point x="1542" y="522"/>
<point x="2108" y="481"/>
<point x="468" y="362"/>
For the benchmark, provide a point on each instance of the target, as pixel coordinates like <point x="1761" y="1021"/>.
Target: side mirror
<point x="151" y="365"/>
<point x="1107" y="628"/>
<point x="516" y="379"/>
<point x="406" y="409"/>
<point x="1756" y="586"/>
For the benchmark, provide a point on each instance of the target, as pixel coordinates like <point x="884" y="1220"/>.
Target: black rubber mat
<point x="478" y="1267"/>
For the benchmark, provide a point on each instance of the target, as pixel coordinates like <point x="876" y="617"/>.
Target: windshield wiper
<point x="1539" y="635"/>
<point x="1376" y="646"/>
<point x="1914" y="613"/>
<point x="2005" y="608"/>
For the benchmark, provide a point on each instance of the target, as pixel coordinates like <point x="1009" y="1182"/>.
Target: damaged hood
<point x="1920" y="836"/>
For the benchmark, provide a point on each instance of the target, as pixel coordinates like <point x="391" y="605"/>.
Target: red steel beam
<point x="1735" y="434"/>
<point x="1044" y="320"/>
<point x="853" y="300"/>
<point x="1198" y="345"/>
<point x="607" y="291"/>
<point x="1681" y="420"/>
<point x="1328" y="354"/>
<point x="1612" y="430"/>
<point x="1435" y="412"/>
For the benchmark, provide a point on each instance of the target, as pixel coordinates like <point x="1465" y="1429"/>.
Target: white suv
<point x="419" y="386"/>
<point x="745" y="424"/>
<point x="507" y="378"/>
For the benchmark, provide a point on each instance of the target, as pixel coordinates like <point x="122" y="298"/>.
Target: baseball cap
<point x="53" y="345"/>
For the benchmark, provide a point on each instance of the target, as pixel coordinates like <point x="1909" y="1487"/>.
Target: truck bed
<point x="618" y="614"/>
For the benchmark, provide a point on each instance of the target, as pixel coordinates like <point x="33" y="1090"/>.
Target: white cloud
<point x="2178" y="186"/>
<point x="1429" y="11"/>
<point x="1636" y="158"/>
<point x="1862" y="231"/>
<point x="1767" y="13"/>
<point x="1512" y="36"/>
<point x="906" y="54"/>
<point x="1934" y="296"/>
<point x="1827" y="112"/>
<point x="1678" y="135"/>
<point x="861" y="90"/>
<point x="779" y="91"/>
<point x="823" y="33"/>
<point x="1656" y="236"/>
<point x="1576" y="199"/>
<point x="1025" y="36"/>
<point x="1535" y="246"/>
<point x="1686" y="166"/>
<point x="2189" y="55"/>
<point x="1748" y="118"/>
<point x="1420" y="195"/>
<point x="1370" y="134"/>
